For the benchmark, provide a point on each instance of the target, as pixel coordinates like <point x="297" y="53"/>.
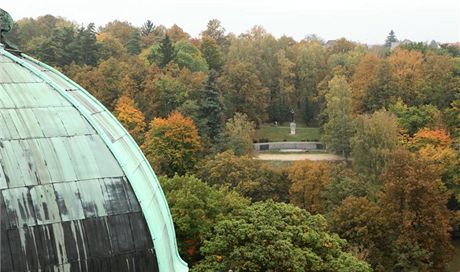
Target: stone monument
<point x="293" y="125"/>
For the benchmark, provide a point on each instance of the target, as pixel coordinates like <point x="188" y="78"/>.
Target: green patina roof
<point x="54" y="133"/>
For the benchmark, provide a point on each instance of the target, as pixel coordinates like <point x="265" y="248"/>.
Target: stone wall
<point x="277" y="146"/>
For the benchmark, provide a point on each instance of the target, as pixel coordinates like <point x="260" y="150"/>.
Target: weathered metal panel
<point x="36" y="160"/>
<point x="115" y="198"/>
<point x="8" y="128"/>
<point x="5" y="260"/>
<point x="3" y="183"/>
<point x="121" y="236"/>
<point x="17" y="250"/>
<point x="11" y="168"/>
<point x="92" y="198"/>
<point x="32" y="128"/>
<point x="5" y="100"/>
<point x="13" y="73"/>
<point x="50" y="122"/>
<point x="45" y="204"/>
<point x="83" y="158"/>
<point x="75" y="241"/>
<point x="74" y="123"/>
<point x="138" y="226"/>
<point x="133" y="203"/>
<point x="57" y="160"/>
<point x="106" y="163"/>
<point x="68" y="201"/>
<point x="33" y="95"/>
<point x="97" y="233"/>
<point x="19" y="207"/>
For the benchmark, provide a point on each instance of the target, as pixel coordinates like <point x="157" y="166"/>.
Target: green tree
<point x="247" y="176"/>
<point x="211" y="110"/>
<point x="238" y="135"/>
<point x="212" y="53"/>
<point x="172" y="145"/>
<point x="339" y="128"/>
<point x="343" y="183"/>
<point x="196" y="208"/>
<point x="187" y="55"/>
<point x="391" y="38"/>
<point x="166" y="50"/>
<point x="133" y="46"/>
<point x="375" y="139"/>
<point x="271" y="236"/>
<point x="412" y="119"/>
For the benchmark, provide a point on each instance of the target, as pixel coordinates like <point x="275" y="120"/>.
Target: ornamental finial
<point x="6" y="25"/>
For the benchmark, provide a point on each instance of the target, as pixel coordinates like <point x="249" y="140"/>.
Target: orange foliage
<point x="172" y="145"/>
<point x="131" y="117"/>
<point x="436" y="137"/>
<point x="309" y="182"/>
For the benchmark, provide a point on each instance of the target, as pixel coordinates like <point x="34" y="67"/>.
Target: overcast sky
<point x="367" y="21"/>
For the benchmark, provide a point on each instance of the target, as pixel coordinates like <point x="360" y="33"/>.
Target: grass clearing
<point x="282" y="133"/>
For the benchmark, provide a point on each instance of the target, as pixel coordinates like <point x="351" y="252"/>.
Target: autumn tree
<point x="406" y="69"/>
<point x="361" y="223"/>
<point x="339" y="128"/>
<point x="247" y="176"/>
<point x="131" y="118"/>
<point x="172" y="145"/>
<point x="215" y="31"/>
<point x="375" y="139"/>
<point x="196" y="208"/>
<point x="265" y="237"/>
<point x="212" y="53"/>
<point x="414" y="205"/>
<point x="363" y="80"/>
<point x="309" y="184"/>
<point x="243" y="91"/>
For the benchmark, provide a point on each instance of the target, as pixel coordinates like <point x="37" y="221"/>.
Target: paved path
<point x="298" y="157"/>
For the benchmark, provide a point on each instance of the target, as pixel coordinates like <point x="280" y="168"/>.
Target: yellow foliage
<point x="131" y="117"/>
<point x="309" y="182"/>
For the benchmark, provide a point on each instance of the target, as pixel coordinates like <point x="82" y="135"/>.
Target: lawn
<point x="281" y="133"/>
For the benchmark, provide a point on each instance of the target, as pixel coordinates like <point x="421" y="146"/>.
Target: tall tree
<point x="243" y="91"/>
<point x="415" y="206"/>
<point x="166" y="52"/>
<point x="133" y="46"/>
<point x="375" y="139"/>
<point x="339" y="128"/>
<point x="238" y="135"/>
<point x="391" y="38"/>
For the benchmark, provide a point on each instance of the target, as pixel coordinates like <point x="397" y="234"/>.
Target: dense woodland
<point x="193" y="105"/>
